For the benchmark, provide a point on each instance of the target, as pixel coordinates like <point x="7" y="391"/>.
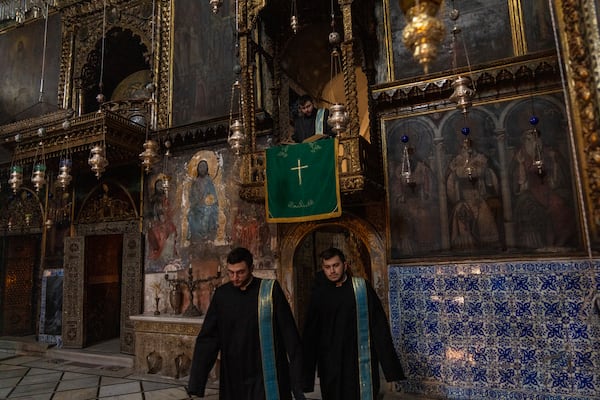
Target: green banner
<point x="302" y="182"/>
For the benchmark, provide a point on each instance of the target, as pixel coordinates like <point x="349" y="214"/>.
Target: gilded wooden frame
<point x="578" y="28"/>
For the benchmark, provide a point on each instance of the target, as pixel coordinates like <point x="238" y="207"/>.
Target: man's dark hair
<point x="238" y="255"/>
<point x="304" y="98"/>
<point x="332" y="252"/>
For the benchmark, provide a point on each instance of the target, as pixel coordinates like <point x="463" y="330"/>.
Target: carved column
<point x="350" y="91"/>
<point x="162" y="66"/>
<point x="72" y="313"/>
<point x="509" y="223"/>
<point x="444" y="224"/>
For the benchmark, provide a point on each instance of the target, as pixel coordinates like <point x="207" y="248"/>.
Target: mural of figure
<point x="162" y="233"/>
<point x="203" y="215"/>
<point x="542" y="212"/>
<point x="471" y="185"/>
<point x="418" y="229"/>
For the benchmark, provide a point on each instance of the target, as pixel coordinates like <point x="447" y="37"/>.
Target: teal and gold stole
<point x="319" y="121"/>
<point x="267" y="344"/>
<point x="364" y="339"/>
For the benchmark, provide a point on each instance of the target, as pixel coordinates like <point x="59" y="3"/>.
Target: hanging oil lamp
<point x="97" y="160"/>
<point x="149" y="156"/>
<point x="38" y="175"/>
<point x="538" y="161"/>
<point x="469" y="169"/>
<point x="463" y="93"/>
<point x="405" y="163"/>
<point x="215" y="5"/>
<point x="166" y="179"/>
<point x="236" y="138"/>
<point x="16" y="177"/>
<point x="294" y="18"/>
<point x="338" y="118"/>
<point x="19" y="16"/>
<point x="38" y="178"/>
<point x="64" y="173"/>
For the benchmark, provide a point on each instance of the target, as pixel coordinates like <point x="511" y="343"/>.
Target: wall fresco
<point x="481" y="192"/>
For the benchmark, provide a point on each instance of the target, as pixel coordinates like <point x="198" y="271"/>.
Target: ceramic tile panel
<point x="517" y="330"/>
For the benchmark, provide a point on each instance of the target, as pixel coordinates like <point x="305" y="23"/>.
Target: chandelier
<point x="424" y="31"/>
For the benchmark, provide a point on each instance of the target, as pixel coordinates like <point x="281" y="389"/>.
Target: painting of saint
<point x="469" y="185"/>
<point x="204" y="206"/>
<point x="202" y="201"/>
<point x="162" y="232"/>
<point x="541" y="188"/>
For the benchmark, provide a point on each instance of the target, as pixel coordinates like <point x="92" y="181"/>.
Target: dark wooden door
<point x="19" y="290"/>
<point x="102" y="293"/>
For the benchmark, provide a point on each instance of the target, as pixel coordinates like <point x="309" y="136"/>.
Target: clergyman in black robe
<point x="310" y="121"/>
<point x="231" y="327"/>
<point x="330" y="336"/>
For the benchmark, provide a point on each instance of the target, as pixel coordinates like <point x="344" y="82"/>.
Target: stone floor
<point x="97" y="372"/>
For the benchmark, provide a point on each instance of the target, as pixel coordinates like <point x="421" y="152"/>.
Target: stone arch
<point x="368" y="234"/>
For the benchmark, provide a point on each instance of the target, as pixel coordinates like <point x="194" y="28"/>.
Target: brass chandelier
<point x="424" y="31"/>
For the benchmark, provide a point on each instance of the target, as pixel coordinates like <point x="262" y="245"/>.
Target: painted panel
<point x="21" y="69"/>
<point x="485" y="33"/>
<point x="487" y="198"/>
<point x="204" y="59"/>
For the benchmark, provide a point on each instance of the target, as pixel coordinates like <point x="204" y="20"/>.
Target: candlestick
<point x="192" y="285"/>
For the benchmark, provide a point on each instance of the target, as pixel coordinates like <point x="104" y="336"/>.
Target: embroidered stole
<point x="267" y="345"/>
<point x="319" y="121"/>
<point x="364" y="340"/>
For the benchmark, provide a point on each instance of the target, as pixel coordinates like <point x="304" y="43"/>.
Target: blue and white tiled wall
<point x="527" y="330"/>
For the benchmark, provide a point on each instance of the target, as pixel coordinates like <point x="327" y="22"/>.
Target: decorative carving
<point x="585" y="103"/>
<point x="73" y="284"/>
<point x="82" y="31"/>
<point x="182" y="365"/>
<point x="131" y="282"/>
<point x="292" y="234"/>
<point x="254" y="7"/>
<point x="156" y="327"/>
<point x="22" y="214"/>
<point x="107" y="206"/>
<point x="491" y="82"/>
<point x="154" y="361"/>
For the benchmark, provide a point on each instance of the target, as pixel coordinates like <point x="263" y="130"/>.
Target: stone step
<point x="106" y="354"/>
<point x="26" y="345"/>
<point x="91" y="357"/>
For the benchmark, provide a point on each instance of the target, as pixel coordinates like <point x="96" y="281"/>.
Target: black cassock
<point x="330" y="342"/>
<point x="231" y="326"/>
<point x="304" y="126"/>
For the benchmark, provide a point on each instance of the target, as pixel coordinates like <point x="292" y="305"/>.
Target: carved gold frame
<point x="82" y="29"/>
<point x="578" y="29"/>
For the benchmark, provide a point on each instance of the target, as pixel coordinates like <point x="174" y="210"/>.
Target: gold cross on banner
<point x="299" y="168"/>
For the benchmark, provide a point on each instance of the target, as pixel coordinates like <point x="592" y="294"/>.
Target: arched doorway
<point x="103" y="270"/>
<point x="300" y="246"/>
<point x="307" y="260"/>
